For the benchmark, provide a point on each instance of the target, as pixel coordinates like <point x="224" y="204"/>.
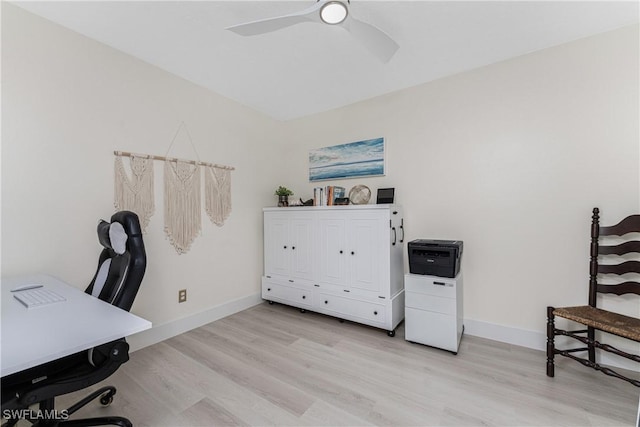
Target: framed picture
<point x="352" y="160"/>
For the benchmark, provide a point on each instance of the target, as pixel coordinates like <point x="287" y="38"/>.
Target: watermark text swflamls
<point x="30" y="414"/>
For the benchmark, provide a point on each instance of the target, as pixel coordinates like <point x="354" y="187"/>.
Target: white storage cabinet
<point x="344" y="261"/>
<point x="433" y="310"/>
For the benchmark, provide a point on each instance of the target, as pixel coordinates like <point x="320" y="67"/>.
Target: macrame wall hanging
<point x="182" y="192"/>
<point x="182" y="214"/>
<point x="217" y="193"/>
<point x="136" y="193"/>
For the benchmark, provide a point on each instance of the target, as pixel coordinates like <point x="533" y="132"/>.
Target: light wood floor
<point x="272" y="365"/>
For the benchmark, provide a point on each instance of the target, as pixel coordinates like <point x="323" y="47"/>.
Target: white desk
<point x="33" y="336"/>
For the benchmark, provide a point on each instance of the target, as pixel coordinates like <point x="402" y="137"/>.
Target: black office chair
<point x="120" y="271"/>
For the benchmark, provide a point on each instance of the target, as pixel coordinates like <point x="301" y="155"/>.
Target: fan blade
<point x="272" y="24"/>
<point x="373" y="38"/>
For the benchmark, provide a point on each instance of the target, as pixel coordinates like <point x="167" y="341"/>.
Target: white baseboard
<point x="506" y="334"/>
<point x="537" y="341"/>
<point x="170" y="329"/>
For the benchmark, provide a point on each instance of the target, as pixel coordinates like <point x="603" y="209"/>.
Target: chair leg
<point x="102" y="421"/>
<point x="104" y="393"/>
<point x="591" y="334"/>
<point x="11" y="422"/>
<point x="551" y="350"/>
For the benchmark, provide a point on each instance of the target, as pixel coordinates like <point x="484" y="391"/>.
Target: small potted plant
<point x="283" y="194"/>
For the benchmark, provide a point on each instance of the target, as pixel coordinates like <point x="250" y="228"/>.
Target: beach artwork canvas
<point x="352" y="160"/>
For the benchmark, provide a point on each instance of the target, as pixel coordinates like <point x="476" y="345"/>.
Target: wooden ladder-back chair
<point x="596" y="318"/>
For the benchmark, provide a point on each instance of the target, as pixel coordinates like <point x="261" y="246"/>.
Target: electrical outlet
<point x="182" y="295"/>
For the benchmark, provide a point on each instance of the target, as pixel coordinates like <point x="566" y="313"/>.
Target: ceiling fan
<point x="330" y="12"/>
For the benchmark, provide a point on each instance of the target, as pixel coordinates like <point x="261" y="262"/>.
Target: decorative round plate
<point x="360" y="195"/>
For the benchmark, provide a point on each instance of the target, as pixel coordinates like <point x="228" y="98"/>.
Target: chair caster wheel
<point x="106" y="399"/>
<point x="270" y="302"/>
<point x="391" y="333"/>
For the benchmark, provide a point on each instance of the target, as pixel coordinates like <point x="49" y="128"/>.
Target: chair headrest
<point x="112" y="236"/>
<point x="129" y="221"/>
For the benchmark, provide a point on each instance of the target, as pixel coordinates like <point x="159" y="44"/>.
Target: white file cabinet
<point x="433" y="310"/>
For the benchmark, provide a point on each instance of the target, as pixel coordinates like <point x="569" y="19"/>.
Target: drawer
<point x="287" y="280"/>
<point x="434" y="329"/>
<point x="430" y="285"/>
<point x="281" y="293"/>
<point x="430" y="303"/>
<point x="370" y="311"/>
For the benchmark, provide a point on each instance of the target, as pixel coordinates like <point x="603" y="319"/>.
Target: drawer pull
<point x="285" y="247"/>
<point x="353" y="253"/>
<point x="291" y="280"/>
<point x="440" y="283"/>
<point x="346" y="290"/>
<point x="326" y="302"/>
<point x="268" y="289"/>
<point x="317" y="286"/>
<point x="293" y="248"/>
<point x="304" y="297"/>
<point x="375" y="313"/>
<point x="341" y="251"/>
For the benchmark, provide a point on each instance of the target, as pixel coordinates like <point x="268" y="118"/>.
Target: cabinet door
<point x="367" y="244"/>
<point x="276" y="245"/>
<point x="301" y="247"/>
<point x="333" y="250"/>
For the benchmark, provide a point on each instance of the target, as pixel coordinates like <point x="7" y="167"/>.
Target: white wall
<point x="510" y="158"/>
<point x="67" y="103"/>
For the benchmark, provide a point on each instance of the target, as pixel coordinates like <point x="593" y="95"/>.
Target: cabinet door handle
<point x="293" y="248"/>
<point x="341" y="251"/>
<point x="402" y="228"/>
<point x="353" y="253"/>
<point x="268" y="289"/>
<point x="304" y="297"/>
<point x="285" y="247"/>
<point x="326" y="302"/>
<point x="375" y="313"/>
<point x="394" y="236"/>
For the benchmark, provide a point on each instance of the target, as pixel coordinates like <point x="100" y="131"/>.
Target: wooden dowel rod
<point x="171" y="159"/>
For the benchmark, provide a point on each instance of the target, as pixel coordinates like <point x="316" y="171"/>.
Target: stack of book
<point x="326" y="196"/>
<point x="318" y="196"/>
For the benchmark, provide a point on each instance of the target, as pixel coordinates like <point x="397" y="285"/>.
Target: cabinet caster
<point x="270" y="302"/>
<point x="391" y="333"/>
<point x="302" y="310"/>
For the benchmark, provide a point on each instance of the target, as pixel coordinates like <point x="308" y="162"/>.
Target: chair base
<point x="52" y="418"/>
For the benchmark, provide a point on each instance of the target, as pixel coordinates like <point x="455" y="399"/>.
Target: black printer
<point x="435" y="257"/>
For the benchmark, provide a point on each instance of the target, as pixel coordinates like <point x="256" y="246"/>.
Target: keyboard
<point x="37" y="297"/>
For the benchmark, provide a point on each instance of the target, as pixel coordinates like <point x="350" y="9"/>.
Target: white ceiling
<point x="309" y="67"/>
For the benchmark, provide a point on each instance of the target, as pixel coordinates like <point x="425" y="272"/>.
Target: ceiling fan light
<point x="333" y="12"/>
